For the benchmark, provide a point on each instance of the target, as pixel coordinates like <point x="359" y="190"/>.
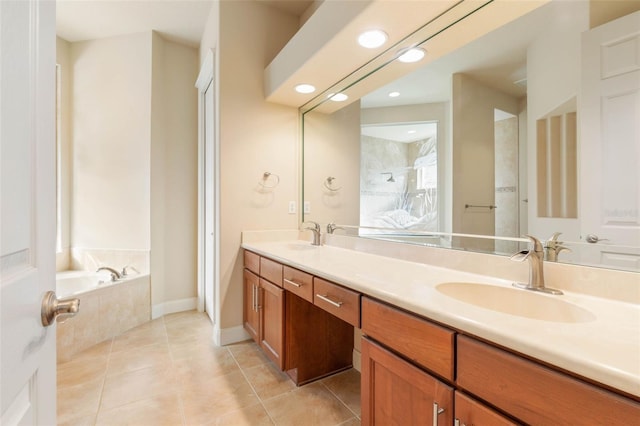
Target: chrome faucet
<point x="536" y="267"/>
<point x="552" y="247"/>
<point x="316" y="232"/>
<point x="115" y="275"/>
<point x="331" y="227"/>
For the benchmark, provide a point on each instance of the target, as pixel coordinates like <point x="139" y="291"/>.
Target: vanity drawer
<point x="535" y="394"/>
<point x="252" y="262"/>
<point x="271" y="271"/>
<point x="299" y="283"/>
<point x="337" y="300"/>
<point x="428" y="345"/>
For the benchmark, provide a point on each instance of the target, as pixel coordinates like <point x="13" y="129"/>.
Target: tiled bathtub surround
<point x="104" y="313"/>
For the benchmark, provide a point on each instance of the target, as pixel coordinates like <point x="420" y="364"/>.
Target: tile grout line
<point x="252" y="387"/>
<point x="104" y="381"/>
<point x="340" y="399"/>
<point x="183" y="415"/>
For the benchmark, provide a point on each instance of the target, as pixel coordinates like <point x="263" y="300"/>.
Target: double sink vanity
<point x="441" y="345"/>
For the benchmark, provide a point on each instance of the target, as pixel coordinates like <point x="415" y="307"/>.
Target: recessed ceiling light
<point x="394" y="94"/>
<point x="305" y="88"/>
<point x="411" y="55"/>
<point x="372" y="39"/>
<point x="338" y="97"/>
<point x="411" y="132"/>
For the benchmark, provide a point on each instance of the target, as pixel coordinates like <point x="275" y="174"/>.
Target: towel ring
<point x="269" y="180"/>
<point x="328" y="183"/>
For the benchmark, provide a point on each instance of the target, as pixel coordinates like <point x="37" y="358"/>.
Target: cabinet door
<point x="471" y="412"/>
<point x="395" y="392"/>
<point x="251" y="314"/>
<point x="271" y="305"/>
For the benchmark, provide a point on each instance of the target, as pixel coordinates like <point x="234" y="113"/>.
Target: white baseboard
<point x="173" y="306"/>
<point x="357" y="360"/>
<point x="227" y="336"/>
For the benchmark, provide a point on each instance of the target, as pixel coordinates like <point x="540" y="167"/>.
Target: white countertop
<point x="604" y="348"/>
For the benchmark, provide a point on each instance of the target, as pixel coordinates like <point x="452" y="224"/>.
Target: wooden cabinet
<point x="299" y="283"/>
<point x="423" y="342"/>
<point x="534" y="393"/>
<point x="264" y="309"/>
<point x="337" y="300"/>
<point x="302" y="339"/>
<point x="317" y="343"/>
<point x="469" y="412"/>
<point x="272" y="321"/>
<point x="395" y="392"/>
<point x="251" y="313"/>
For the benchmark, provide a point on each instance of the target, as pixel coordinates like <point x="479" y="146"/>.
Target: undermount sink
<point x="518" y="302"/>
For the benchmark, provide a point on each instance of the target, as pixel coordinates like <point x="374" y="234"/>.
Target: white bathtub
<point x="73" y="283"/>
<point x="107" y="308"/>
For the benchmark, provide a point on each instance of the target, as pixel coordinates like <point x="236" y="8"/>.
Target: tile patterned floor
<point x="167" y="372"/>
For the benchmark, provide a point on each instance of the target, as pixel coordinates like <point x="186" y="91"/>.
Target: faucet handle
<point x="520" y="256"/>
<point x="316" y="225"/>
<point x="537" y="245"/>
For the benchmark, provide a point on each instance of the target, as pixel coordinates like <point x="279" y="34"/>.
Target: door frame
<point x="206" y="78"/>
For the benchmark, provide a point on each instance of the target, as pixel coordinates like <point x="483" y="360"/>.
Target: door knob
<point x="593" y="238"/>
<point x="52" y="307"/>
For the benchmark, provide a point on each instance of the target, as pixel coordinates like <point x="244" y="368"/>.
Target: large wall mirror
<point x="532" y="128"/>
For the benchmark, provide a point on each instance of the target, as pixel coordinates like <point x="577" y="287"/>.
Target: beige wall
<point x="332" y="148"/>
<point x="134" y="160"/>
<point x="473" y="107"/>
<point x="111" y="142"/>
<point x="174" y="175"/>
<point x="254" y="137"/>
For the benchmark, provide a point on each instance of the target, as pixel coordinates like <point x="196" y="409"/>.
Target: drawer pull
<point x="326" y="299"/>
<point x="436" y="412"/>
<point x="293" y="283"/>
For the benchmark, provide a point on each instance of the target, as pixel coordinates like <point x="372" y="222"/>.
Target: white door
<point x="609" y="113"/>
<point x="209" y="203"/>
<point x="207" y="191"/>
<point x="28" y="215"/>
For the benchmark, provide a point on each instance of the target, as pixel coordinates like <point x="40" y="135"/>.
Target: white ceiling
<point x="178" y="20"/>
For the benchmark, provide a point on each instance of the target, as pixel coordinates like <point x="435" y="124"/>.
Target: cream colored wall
<point x="254" y="137"/>
<point x="135" y="161"/>
<point x="473" y="107"/>
<point x="111" y="142"/>
<point x="63" y="53"/>
<point x="174" y="183"/>
<point x="553" y="64"/>
<point x="332" y="148"/>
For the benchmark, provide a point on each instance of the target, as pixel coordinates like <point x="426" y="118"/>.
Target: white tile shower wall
<point x="104" y="313"/>
<point x="90" y="259"/>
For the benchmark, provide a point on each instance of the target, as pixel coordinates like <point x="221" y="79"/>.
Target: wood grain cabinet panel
<point x="251" y="314"/>
<point x="425" y="343"/>
<point x="271" y="306"/>
<point x="534" y="393"/>
<point x="252" y="262"/>
<point x="298" y="282"/>
<point x="337" y="300"/>
<point x="271" y="270"/>
<point x="395" y="392"/>
<point x="470" y="412"/>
